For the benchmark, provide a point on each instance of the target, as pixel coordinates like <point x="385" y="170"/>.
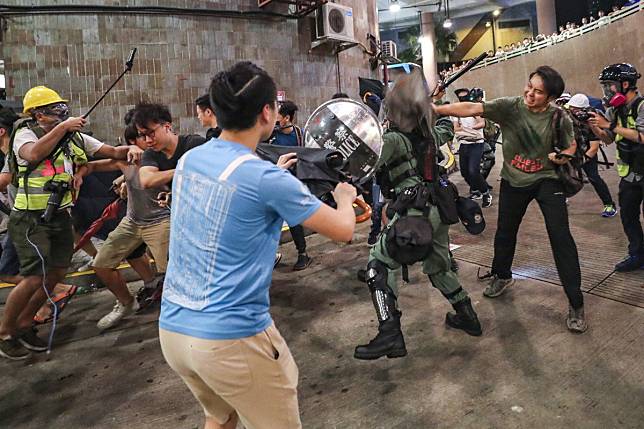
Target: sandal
<point x="60" y="300"/>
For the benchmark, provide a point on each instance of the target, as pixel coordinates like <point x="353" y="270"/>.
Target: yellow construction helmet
<point x="39" y="96"/>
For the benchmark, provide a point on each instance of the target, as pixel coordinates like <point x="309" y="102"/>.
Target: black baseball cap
<point x="471" y="215"/>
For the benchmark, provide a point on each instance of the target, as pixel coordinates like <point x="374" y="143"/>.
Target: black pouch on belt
<point x="409" y="238"/>
<point x="444" y="195"/>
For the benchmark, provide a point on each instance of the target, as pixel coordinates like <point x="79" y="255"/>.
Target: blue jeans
<point x="469" y="155"/>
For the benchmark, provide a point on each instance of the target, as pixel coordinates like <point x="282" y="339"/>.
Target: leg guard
<point x="389" y="341"/>
<point x="384" y="299"/>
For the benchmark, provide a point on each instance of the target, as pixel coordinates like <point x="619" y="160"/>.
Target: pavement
<point x="526" y="371"/>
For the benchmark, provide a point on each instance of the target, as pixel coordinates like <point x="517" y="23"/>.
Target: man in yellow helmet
<point x="43" y="162"/>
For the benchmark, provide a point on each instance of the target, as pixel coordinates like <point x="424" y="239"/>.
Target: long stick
<point x="128" y="67"/>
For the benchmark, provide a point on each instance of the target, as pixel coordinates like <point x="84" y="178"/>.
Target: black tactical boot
<point x="465" y="318"/>
<point x="389" y="341"/>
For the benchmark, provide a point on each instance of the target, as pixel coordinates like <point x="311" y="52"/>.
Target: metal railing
<point x="568" y="34"/>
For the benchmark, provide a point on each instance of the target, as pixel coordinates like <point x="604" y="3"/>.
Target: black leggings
<point x="513" y="203"/>
<point x="297" y="232"/>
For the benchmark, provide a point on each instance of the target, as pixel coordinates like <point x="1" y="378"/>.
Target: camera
<point x="583" y="115"/>
<point x="58" y="191"/>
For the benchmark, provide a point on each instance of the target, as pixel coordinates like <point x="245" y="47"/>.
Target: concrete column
<point x="428" y="49"/>
<point x="546" y="16"/>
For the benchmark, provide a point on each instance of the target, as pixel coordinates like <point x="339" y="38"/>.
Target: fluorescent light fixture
<point x="447" y="23"/>
<point x="394" y="6"/>
<point x="496" y="12"/>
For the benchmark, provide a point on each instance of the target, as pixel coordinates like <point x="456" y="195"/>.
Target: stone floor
<point x="526" y="371"/>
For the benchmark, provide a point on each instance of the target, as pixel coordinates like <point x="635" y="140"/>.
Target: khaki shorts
<point x="128" y="236"/>
<point x="255" y="376"/>
<point x="54" y="240"/>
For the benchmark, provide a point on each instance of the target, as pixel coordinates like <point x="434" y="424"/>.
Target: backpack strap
<point x="557" y="118"/>
<point x="298" y="135"/>
<point x="234" y="165"/>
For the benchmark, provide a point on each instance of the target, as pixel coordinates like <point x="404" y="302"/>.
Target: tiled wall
<point x="579" y="60"/>
<point x="80" y="55"/>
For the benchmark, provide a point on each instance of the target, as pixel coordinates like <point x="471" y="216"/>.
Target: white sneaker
<point x="118" y="312"/>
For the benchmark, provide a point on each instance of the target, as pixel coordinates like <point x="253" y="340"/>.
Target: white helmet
<point x="579" y="100"/>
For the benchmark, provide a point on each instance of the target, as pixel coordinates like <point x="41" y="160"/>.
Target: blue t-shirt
<point x="282" y="139"/>
<point x="224" y="235"/>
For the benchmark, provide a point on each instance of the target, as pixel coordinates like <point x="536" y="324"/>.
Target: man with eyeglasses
<point x="164" y="146"/>
<point x="164" y="149"/>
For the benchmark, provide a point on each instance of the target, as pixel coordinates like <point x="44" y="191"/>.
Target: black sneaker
<point x="12" y="349"/>
<point x="303" y="261"/>
<point x="487" y="200"/>
<point x="631" y="263"/>
<point x="30" y="340"/>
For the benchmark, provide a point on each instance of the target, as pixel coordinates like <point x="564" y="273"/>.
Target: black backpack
<point x="570" y="173"/>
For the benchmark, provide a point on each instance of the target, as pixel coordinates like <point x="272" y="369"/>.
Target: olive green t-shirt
<point x="527" y="140"/>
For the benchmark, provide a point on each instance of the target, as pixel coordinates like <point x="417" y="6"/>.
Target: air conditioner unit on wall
<point x="389" y="49"/>
<point x="335" y="22"/>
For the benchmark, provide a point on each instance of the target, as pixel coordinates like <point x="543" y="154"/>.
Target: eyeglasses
<point x="149" y="133"/>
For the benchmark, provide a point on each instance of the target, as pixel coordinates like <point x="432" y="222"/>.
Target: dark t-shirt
<point x="213" y="133"/>
<point x="159" y="160"/>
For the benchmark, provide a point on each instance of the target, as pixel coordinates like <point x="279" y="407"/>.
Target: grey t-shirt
<point x="11" y="190"/>
<point x="142" y="207"/>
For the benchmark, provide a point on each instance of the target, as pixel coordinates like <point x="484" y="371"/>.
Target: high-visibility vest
<point x="32" y="195"/>
<point x="637" y="158"/>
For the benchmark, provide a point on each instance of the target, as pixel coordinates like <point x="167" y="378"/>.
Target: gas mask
<point x="58" y="110"/>
<point x="463" y="98"/>
<point x="612" y="98"/>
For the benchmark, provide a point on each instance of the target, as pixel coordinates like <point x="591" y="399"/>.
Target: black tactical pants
<point x="631" y="204"/>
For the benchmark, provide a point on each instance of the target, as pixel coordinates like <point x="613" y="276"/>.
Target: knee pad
<point x="376" y="276"/>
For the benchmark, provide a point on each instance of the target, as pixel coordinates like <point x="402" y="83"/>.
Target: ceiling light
<point x="394" y="6"/>
<point x="488" y="24"/>
<point x="447" y="23"/>
<point x="496" y="12"/>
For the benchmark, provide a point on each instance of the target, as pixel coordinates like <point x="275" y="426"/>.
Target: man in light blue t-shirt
<point x="228" y="207"/>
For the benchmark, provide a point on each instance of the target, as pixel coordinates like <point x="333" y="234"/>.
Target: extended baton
<point x="443" y="85"/>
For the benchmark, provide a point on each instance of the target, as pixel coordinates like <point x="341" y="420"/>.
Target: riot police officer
<point x="403" y="169"/>
<point x="623" y="124"/>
